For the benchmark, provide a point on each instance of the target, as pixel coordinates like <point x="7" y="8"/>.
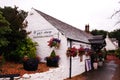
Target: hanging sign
<point x="43" y="33"/>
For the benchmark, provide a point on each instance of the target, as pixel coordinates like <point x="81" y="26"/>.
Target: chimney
<point x="87" y="28"/>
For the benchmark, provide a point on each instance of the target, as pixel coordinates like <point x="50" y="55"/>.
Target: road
<point x="109" y="71"/>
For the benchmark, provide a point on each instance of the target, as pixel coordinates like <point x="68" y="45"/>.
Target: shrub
<point x="117" y="53"/>
<point x="111" y="51"/>
<point x="25" y="47"/>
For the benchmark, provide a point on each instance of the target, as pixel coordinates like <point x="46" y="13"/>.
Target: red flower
<point x="81" y="51"/>
<point x="72" y="52"/>
<point x="54" y="42"/>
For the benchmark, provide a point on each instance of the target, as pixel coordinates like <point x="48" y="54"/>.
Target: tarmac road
<point x="109" y="71"/>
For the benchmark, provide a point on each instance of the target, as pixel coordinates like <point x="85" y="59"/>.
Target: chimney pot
<point x="87" y="28"/>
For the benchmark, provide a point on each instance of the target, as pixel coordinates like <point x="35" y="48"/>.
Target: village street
<point x="109" y="71"/>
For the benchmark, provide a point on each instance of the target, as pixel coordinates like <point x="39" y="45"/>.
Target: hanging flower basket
<point x="71" y="52"/>
<point x="88" y="52"/>
<point x="52" y="60"/>
<point x="54" y="42"/>
<point x="81" y="52"/>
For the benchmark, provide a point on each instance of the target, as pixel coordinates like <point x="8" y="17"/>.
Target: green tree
<point x="15" y="18"/>
<point x="26" y="47"/>
<point x="19" y="42"/>
<point x="4" y="31"/>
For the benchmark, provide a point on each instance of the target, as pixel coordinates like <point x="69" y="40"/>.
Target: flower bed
<point x="16" y="68"/>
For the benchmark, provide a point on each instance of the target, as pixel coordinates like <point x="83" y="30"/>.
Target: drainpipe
<point x="70" y="71"/>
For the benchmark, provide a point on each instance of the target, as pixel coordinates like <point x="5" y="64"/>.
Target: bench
<point x="11" y="76"/>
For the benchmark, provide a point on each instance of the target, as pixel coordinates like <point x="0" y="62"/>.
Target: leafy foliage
<point x="18" y="42"/>
<point x="25" y="48"/>
<point x="15" y="18"/>
<point x="4" y="31"/>
<point x="117" y="52"/>
<point x="53" y="54"/>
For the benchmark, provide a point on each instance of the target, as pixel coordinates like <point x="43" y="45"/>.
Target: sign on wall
<point x="43" y="33"/>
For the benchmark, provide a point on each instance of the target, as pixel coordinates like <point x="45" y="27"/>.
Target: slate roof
<point x="69" y="31"/>
<point x="98" y="39"/>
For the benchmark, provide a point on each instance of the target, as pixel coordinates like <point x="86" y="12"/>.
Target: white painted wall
<point x="77" y="66"/>
<point x="37" y="25"/>
<point x="109" y="44"/>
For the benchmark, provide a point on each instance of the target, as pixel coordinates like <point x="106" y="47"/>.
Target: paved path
<point x="106" y="72"/>
<point x="103" y="73"/>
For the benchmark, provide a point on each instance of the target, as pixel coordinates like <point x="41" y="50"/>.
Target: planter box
<point x="30" y="64"/>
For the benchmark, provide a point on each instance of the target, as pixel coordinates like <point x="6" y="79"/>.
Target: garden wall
<point x="52" y="74"/>
<point x="59" y="73"/>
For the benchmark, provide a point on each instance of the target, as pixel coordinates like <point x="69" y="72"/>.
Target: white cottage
<point x="44" y="27"/>
<point x="111" y="43"/>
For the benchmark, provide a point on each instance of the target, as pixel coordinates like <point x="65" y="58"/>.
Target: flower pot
<point x="52" y="60"/>
<point x="52" y="63"/>
<point x="30" y="64"/>
<point x="100" y="63"/>
<point x="95" y="65"/>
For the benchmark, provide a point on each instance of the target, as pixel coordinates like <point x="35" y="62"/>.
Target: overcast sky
<point x="77" y="13"/>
